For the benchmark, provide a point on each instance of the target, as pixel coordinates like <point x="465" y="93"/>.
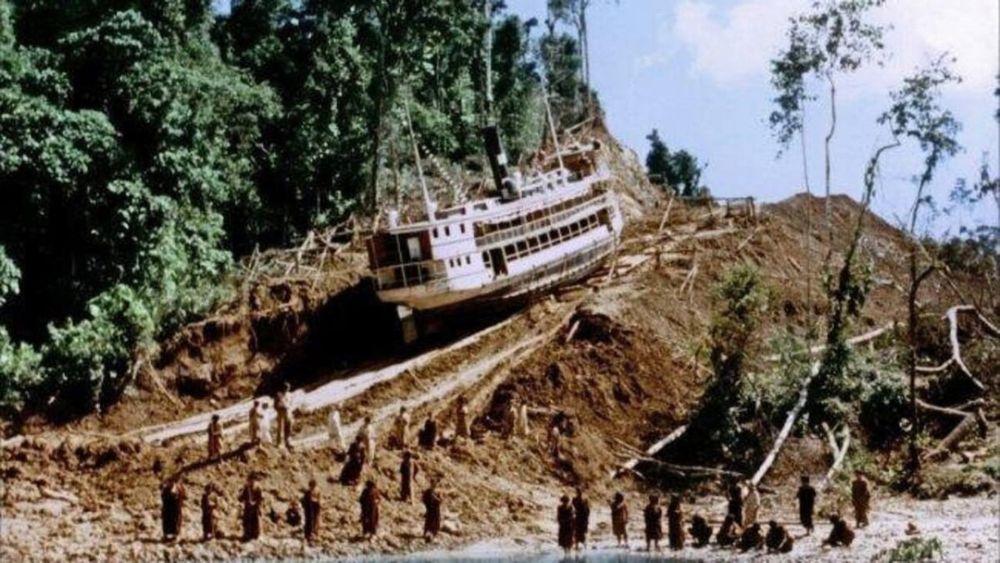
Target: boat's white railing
<point x="520" y="231"/>
<point x="563" y="262"/>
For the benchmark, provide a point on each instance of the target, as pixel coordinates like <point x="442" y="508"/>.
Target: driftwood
<point x="787" y="428"/>
<point x="961" y="431"/>
<point x="839" y="454"/>
<point x="650" y="451"/>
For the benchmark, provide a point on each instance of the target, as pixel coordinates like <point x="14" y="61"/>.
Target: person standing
<point x="369" y="502"/>
<point x="367" y="433"/>
<point x="253" y="423"/>
<point x="619" y="519"/>
<point x="751" y="504"/>
<point x="653" y="516"/>
<point x="407" y="473"/>
<point x="266" y="425"/>
<point x="523" y="425"/>
<point x="355" y="465"/>
<point x="251" y="498"/>
<point x="861" y="496"/>
<point x="284" y="418"/>
<point x="581" y="519"/>
<point x="729" y="532"/>
<point x="566" y="522"/>
<point x="335" y="429"/>
<point x="310" y="510"/>
<point x="428" y="434"/>
<point x="736" y="495"/>
<point x="401" y="429"/>
<point x="807" y="502"/>
<point x="214" y="438"/>
<point x="172" y="496"/>
<point x="675" y="523"/>
<point x="432" y="512"/>
<point x="209" y="528"/>
<point x="462" y="418"/>
<point x="555" y="439"/>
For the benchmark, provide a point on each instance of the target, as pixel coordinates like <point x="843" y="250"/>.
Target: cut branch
<point x="956" y="348"/>
<point x="839" y="454"/>
<point x="650" y="451"/>
<point x="787" y="428"/>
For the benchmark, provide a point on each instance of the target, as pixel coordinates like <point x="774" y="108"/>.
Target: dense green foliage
<point x="679" y="171"/>
<point x="147" y="146"/>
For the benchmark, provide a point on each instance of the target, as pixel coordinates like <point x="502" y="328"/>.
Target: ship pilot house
<point x="550" y="226"/>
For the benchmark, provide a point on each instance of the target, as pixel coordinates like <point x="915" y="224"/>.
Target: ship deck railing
<point x="527" y="229"/>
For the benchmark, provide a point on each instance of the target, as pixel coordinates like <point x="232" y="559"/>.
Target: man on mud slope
<point x="807" y="503"/>
<point x="172" y="496"/>
<point x="369" y="500"/>
<point x="462" y="418"/>
<point x="408" y="469"/>
<point x="861" y="497"/>
<point x="401" y="429"/>
<point x="778" y="539"/>
<point x="214" y="438"/>
<point x="251" y="497"/>
<point x="209" y="526"/>
<point x="581" y="519"/>
<point x="432" y="511"/>
<point x="429" y="433"/>
<point x="284" y="420"/>
<point x="310" y="509"/>
<point x="675" y="523"/>
<point x="566" y="523"/>
<point x="653" y="517"/>
<point x="619" y="519"/>
<point x="841" y="535"/>
<point x="253" y="423"/>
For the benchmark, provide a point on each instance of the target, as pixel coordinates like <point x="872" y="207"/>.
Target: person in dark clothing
<point x="675" y="523"/>
<point x="729" y="532"/>
<point x="310" y="509"/>
<point x="778" y="539"/>
<point x="581" y="519"/>
<point x="408" y="470"/>
<point x="653" y="516"/>
<point x="172" y="496"/>
<point x="752" y="538"/>
<point x="619" y="519"/>
<point x="807" y="503"/>
<point x="432" y="512"/>
<point x="428" y="434"/>
<point x="369" y="501"/>
<point x="209" y="527"/>
<point x="841" y="535"/>
<point x="735" y="507"/>
<point x="565" y="520"/>
<point x="251" y="496"/>
<point x="357" y="454"/>
<point x="700" y="530"/>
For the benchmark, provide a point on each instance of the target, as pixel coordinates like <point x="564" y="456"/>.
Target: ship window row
<point x="456" y="262"/>
<point x="488" y="228"/>
<point x="548" y="239"/>
<point x="447" y="230"/>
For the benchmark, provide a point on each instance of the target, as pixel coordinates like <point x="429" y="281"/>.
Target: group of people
<point x="740" y="529"/>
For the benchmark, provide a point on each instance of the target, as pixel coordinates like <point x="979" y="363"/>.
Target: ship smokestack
<point x="496" y="154"/>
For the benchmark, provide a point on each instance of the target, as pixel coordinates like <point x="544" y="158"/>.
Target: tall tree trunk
<point x="585" y="51"/>
<point x="826" y="168"/>
<point x="488" y="63"/>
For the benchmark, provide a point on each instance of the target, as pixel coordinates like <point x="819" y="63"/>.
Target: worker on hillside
<point x="284" y="420"/>
<point x="675" y="523"/>
<point x="251" y="497"/>
<point x="401" y="429"/>
<point x="523" y="425"/>
<point x="807" y="502"/>
<point x="310" y="509"/>
<point x="432" y="512"/>
<point x="369" y="501"/>
<point x="700" y="530"/>
<point x="253" y="423"/>
<point x="509" y="420"/>
<point x="581" y="519"/>
<point x="752" y="538"/>
<point x="209" y="527"/>
<point x="462" y="418"/>
<point x="861" y="496"/>
<point x="567" y="524"/>
<point x="428" y="434"/>
<point x="367" y="433"/>
<point x="778" y="539"/>
<point x="735" y="507"/>
<point x="407" y="473"/>
<point x="355" y="464"/>
<point x="555" y="442"/>
<point x="653" y="516"/>
<point x="619" y="519"/>
<point x="729" y="532"/>
<point x="751" y="504"/>
<point x="172" y="496"/>
<point x="335" y="430"/>
<point x="841" y="535"/>
<point x="266" y="424"/>
<point x="214" y="438"/>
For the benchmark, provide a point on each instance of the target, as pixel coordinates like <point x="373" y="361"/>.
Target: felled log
<point x="839" y="454"/>
<point x="970" y="423"/>
<point x="956" y="348"/>
<point x="793" y="415"/>
<point x="650" y="451"/>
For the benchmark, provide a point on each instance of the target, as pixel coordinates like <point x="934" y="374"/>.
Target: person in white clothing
<point x="335" y="429"/>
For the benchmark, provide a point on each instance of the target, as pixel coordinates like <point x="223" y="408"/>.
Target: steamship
<point x="542" y="229"/>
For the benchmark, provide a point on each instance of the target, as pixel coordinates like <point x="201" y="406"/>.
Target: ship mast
<point x="552" y="125"/>
<point x="428" y="204"/>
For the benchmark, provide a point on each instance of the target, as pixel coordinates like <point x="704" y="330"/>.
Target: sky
<point x="697" y="70"/>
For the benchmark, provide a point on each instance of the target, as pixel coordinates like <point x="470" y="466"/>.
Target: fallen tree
<point x="650" y="451"/>
<point x="793" y="415"/>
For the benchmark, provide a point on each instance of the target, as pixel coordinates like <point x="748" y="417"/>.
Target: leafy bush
<point x="19" y="374"/>
<point x="884" y="405"/>
<point x="914" y="549"/>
